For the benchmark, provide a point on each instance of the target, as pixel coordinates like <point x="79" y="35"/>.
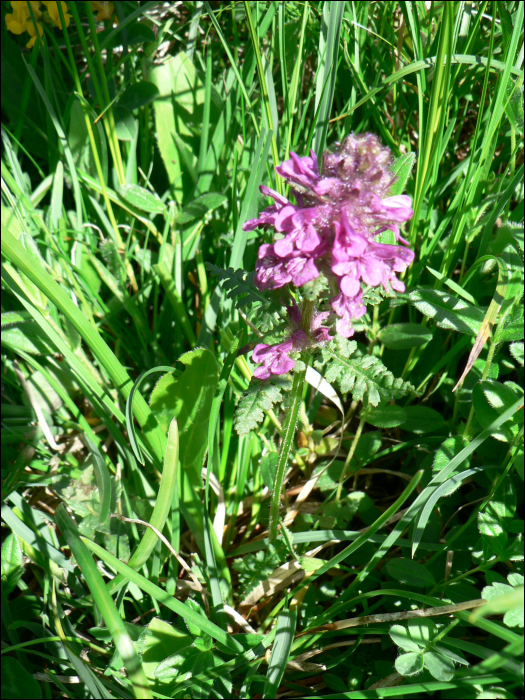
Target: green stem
<point x="289" y="427"/>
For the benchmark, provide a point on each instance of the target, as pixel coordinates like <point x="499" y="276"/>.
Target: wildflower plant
<point x="324" y="252"/>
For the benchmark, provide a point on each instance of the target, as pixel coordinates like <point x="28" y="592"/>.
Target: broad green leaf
<point x="181" y="94"/>
<point x="201" y="206"/>
<point x="17" y="682"/>
<point x="161" y="643"/>
<point x="12" y="562"/>
<point x="385" y="416"/>
<point x="188" y="398"/>
<point x="400" y="336"/>
<point x="448" y="450"/>
<point x="142" y="199"/>
<point x="409" y="664"/>
<point x="448" y="311"/>
<point x="410" y="573"/>
<point x="126" y="125"/>
<point x="490" y="398"/>
<point x="26" y="337"/>
<point x="138" y="95"/>
<point x="493" y="520"/>
<point x="450" y="654"/>
<point x="335" y="682"/>
<point x="439" y="666"/>
<point x="400" y="636"/>
<point x="422" y="631"/>
<point x="507" y="599"/>
<point x="422" y="420"/>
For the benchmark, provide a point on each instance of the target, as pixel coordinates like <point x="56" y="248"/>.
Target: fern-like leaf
<point x="360" y="375"/>
<point x="239" y="285"/>
<point x="259" y="397"/>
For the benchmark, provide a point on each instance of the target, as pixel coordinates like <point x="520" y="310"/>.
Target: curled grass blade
<point x="162" y="507"/>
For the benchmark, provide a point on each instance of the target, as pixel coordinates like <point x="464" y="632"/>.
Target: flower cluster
<point x="340" y="209"/>
<point x="20" y="20"/>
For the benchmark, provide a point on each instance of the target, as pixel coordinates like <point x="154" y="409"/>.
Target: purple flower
<point x="274" y="272"/>
<point x="342" y="204"/>
<point x="355" y="258"/>
<point x="268" y="216"/>
<point x="300" y="171"/>
<point x="274" y="359"/>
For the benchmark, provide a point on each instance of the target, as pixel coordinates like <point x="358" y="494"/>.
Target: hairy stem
<point x="289" y="427"/>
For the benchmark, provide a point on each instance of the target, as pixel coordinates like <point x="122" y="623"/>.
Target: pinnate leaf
<point x="363" y="375"/>
<point x="258" y="398"/>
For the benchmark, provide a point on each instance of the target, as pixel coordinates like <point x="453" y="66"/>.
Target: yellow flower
<point x="52" y="10"/>
<point x="104" y="10"/>
<point x="32" y="33"/>
<point x="17" y="20"/>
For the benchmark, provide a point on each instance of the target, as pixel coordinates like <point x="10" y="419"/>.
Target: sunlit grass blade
<point x="284" y="635"/>
<point x="162" y="507"/>
<point x="104" y="603"/>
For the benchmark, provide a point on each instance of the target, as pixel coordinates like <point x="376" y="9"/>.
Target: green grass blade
<point x="285" y="631"/>
<point x="184" y="611"/>
<point x="327" y="69"/>
<point x="162" y="507"/>
<point x="104" y="602"/>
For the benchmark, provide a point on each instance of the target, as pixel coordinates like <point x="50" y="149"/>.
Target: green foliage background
<point x="132" y="154"/>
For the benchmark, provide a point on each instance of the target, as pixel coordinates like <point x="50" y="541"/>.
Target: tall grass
<point x="136" y="555"/>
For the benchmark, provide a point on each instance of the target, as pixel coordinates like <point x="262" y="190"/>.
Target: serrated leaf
<point x="448" y="311"/>
<point x="255" y="568"/>
<point x="361" y="375"/>
<point x="238" y="284"/>
<point x="258" y="398"/>
<point x="268" y="466"/>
